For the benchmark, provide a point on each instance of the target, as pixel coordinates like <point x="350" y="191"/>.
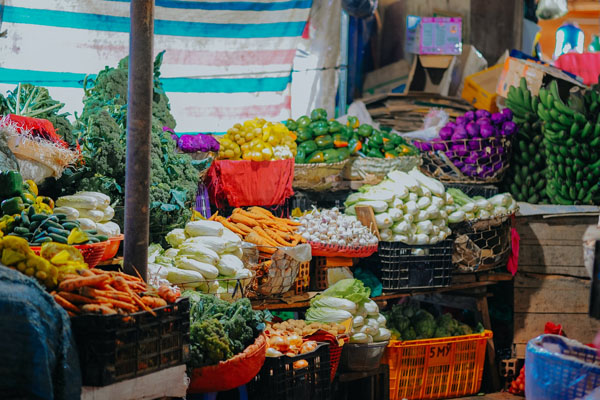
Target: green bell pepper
<point x="398" y="140"/>
<point x="303" y="121"/>
<point x="335" y="126"/>
<point x="391" y="154"/>
<point x="374" y="153"/>
<point x="343" y="153"/>
<point x="318" y="114"/>
<point x="354" y="145"/>
<point x="300" y="156"/>
<point x="315" y="157"/>
<point x="12" y="206"/>
<point x="330" y="155"/>
<point x="304" y="134"/>
<point x="324" y="142"/>
<point x="376" y="140"/>
<point x="319" y="128"/>
<point x="11" y="184"/>
<point x="308" y="147"/>
<point x="291" y="124"/>
<point x="365" y="130"/>
<point x="346" y="131"/>
<point x="353" y="122"/>
<point x="339" y="140"/>
<point x="387" y="146"/>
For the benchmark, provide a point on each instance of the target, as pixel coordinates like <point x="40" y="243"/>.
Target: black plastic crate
<point x="278" y="380"/>
<point x="474" y="189"/>
<point x="113" y="348"/>
<point x="406" y="266"/>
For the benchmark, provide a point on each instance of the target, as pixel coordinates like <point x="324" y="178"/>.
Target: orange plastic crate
<point x="303" y="279"/>
<point x="436" y="368"/>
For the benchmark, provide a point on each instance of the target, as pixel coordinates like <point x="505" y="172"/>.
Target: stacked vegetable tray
<point x="526" y="178"/>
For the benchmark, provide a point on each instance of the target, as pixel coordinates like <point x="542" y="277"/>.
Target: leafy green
<point x="208" y="343"/>
<point x="101" y="129"/>
<point x="349" y="289"/>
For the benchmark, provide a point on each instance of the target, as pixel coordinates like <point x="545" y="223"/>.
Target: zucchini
<point x="70" y="225"/>
<point x="60" y="232"/>
<point x="31" y="212"/>
<point x="44" y="239"/>
<point x="33" y="225"/>
<point x="94" y="239"/>
<point x="20" y="230"/>
<point x="102" y="238"/>
<point x="61" y="217"/>
<point x="91" y="232"/>
<point x="38" y="217"/>
<point x="58" y="238"/>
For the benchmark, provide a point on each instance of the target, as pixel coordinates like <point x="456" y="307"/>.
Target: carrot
<point x="71" y="284"/>
<point x="166" y="293"/>
<point x="122" y="285"/>
<point x="242" y="219"/>
<point x="256" y="216"/>
<point x="86" y="272"/>
<point x="67" y="305"/>
<point x="128" y="277"/>
<point x="243" y="228"/>
<point x="97" y="309"/>
<point x="69" y="276"/>
<point x="260" y="210"/>
<point x="265" y="235"/>
<point x="95" y="293"/>
<point x="153" y="302"/>
<point x="214" y="216"/>
<point x="232" y="227"/>
<point x="71" y="314"/>
<point x="257" y="239"/>
<point x="267" y="250"/>
<point x="118" y="304"/>
<point x="76" y="298"/>
<point x="275" y="236"/>
<point x="288" y="221"/>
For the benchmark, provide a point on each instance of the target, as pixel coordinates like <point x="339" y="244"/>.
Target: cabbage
<point x="358" y="321"/>
<point x="361" y="338"/>
<point x="381" y="320"/>
<point x="154" y="250"/>
<point x="382" y="335"/>
<point x="349" y="289"/>
<point x="378" y="206"/>
<point x="376" y="194"/>
<point x="333" y="302"/>
<point x="327" y="314"/>
<point x="371" y="307"/>
<point x="176" y="237"/>
<point x="383" y="220"/>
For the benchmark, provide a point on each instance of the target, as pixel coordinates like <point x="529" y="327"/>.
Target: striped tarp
<point x="225" y="61"/>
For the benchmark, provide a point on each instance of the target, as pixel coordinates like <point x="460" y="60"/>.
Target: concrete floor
<point x="492" y="396"/>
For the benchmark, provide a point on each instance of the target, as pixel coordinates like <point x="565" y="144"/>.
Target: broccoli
<point x="478" y="328"/>
<point x="410" y="309"/>
<point x="441" y="332"/>
<point x="409" y="334"/>
<point x="425" y="327"/>
<point x="396" y="319"/>
<point x="208" y="343"/>
<point x="463" y="329"/>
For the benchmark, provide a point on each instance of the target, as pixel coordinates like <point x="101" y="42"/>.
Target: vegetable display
<point x="92" y="210"/>
<point x="323" y="141"/>
<point x="260" y="227"/>
<point x="349" y="299"/>
<point x="257" y="140"/>
<point x="102" y="292"/>
<point x="220" y="330"/>
<point x="204" y="256"/>
<point x="466" y="208"/>
<point x="290" y="337"/>
<point x="572" y="145"/>
<point x="409" y="207"/>
<point x="203" y="143"/>
<point x="476" y="143"/>
<point x="408" y="321"/>
<point x="526" y="177"/>
<point x="333" y="227"/>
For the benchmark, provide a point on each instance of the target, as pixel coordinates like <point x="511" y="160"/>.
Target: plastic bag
<point x="435" y="120"/>
<point x="551" y="9"/>
<point x="359" y="8"/>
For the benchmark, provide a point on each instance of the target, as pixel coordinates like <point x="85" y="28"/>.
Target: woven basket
<point x="319" y="176"/>
<point x="375" y="169"/>
<point x="443" y="163"/>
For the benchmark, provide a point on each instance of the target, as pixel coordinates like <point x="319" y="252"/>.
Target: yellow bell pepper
<point x="77" y="236"/>
<point x="32" y="187"/>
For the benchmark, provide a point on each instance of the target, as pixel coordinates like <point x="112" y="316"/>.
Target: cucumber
<point x="60" y="232"/>
<point x="540" y="184"/>
<point x="44" y="239"/>
<point x="102" y="238"/>
<point x="34" y="225"/>
<point x="61" y="217"/>
<point x="563" y="151"/>
<point x="569" y="162"/>
<point x="91" y="232"/>
<point x="52" y="224"/>
<point x="538" y="159"/>
<point x="522" y="146"/>
<point x="18" y="220"/>
<point x="38" y="217"/>
<point x="58" y="238"/>
<point x="20" y="230"/>
<point x="533" y="199"/>
<point x="70" y="225"/>
<point x="94" y="239"/>
<point x="31" y="212"/>
<point x="572" y="193"/>
<point x="525" y="157"/>
<point x="25" y="219"/>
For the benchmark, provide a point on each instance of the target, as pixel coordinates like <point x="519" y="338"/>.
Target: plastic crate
<point x="560" y="368"/>
<point x="320" y="265"/>
<point x="415" y="266"/>
<point x="474" y="189"/>
<point x="436" y="368"/>
<point x="278" y="380"/>
<point x="113" y="348"/>
<point x="302" y="283"/>
<point x="335" y="350"/>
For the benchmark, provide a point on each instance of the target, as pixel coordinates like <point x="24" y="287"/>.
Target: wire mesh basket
<point x="466" y="160"/>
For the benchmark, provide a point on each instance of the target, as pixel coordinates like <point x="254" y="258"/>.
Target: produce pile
<point x="476" y="143"/>
<point x="101" y="130"/>
<point x="220" y="330"/>
<point x="202" y="143"/>
<point x="466" y="208"/>
<point x="572" y="145"/>
<point x="409" y="207"/>
<point x="257" y="140"/>
<point x="323" y="141"/>
<point x="102" y="292"/>
<point x="349" y="299"/>
<point x="333" y="227"/>
<point x="260" y="227"/>
<point x="54" y="262"/>
<point x="92" y="210"/>
<point x="526" y="177"/>
<point x="408" y="321"/>
<point x="204" y="256"/>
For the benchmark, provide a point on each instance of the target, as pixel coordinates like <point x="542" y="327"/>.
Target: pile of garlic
<point x="333" y="227"/>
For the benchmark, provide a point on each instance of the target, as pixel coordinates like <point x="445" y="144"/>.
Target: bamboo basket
<point x="318" y="177"/>
<point x="375" y="169"/>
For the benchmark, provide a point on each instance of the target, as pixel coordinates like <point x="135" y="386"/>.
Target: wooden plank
<point x="506" y="18"/>
<point x="490" y="359"/>
<point x="520" y="350"/>
<point x="559" y="256"/>
<point x="577" y="326"/>
<point x="549" y="293"/>
<point x="580" y="272"/>
<point x="366" y="216"/>
<point x="565" y="228"/>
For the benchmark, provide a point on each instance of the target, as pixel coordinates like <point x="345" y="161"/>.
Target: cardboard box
<point x="433" y="35"/>
<point x="393" y="78"/>
<point x="468" y="63"/>
<point x="480" y="88"/>
<point x="536" y="75"/>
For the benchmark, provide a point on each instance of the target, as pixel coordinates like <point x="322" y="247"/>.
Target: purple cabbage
<point x="460" y="133"/>
<point x="483" y="121"/>
<point x="446" y="133"/>
<point x="498" y="118"/>
<point x="470" y="116"/>
<point x="487" y="131"/>
<point x="482" y="114"/>
<point x="508" y="128"/>
<point x="472" y="159"/>
<point x="450" y="125"/>
<point x="461" y="121"/>
<point x="458" y="164"/>
<point x="508" y="114"/>
<point x="472" y="129"/>
<point x="469" y="170"/>
<point x="197" y="143"/>
<point x="460" y="150"/>
<point x="474" y="145"/>
<point x="438" y="145"/>
<point x="424" y="146"/>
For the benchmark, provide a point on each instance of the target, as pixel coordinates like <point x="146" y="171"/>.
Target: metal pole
<point x="139" y="122"/>
<point x="343" y="82"/>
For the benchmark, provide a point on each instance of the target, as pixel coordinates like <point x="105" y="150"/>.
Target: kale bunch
<point x="208" y="343"/>
<point x="102" y="131"/>
<point x="34" y="101"/>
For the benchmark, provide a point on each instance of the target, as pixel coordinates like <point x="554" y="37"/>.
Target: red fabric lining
<point x="586" y="65"/>
<point x="38" y="127"/>
<point x="250" y="183"/>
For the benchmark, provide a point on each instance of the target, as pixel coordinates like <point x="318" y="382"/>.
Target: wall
<point x="588" y="22"/>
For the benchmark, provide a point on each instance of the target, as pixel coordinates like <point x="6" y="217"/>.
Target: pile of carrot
<point x="102" y="292"/>
<point x="259" y="226"/>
